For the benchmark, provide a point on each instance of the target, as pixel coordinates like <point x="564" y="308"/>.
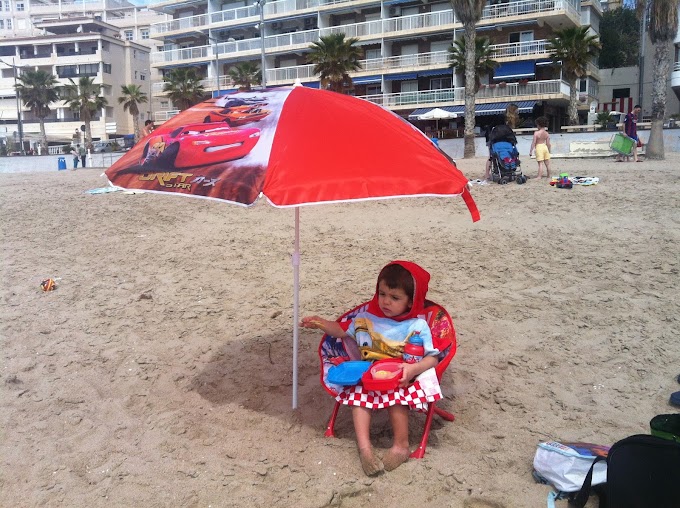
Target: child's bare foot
<point x="370" y="463"/>
<point x="395" y="457"/>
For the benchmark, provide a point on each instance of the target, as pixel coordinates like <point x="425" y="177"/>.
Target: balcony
<point x="80" y="6"/>
<point x="529" y="9"/>
<point x="534" y="90"/>
<point x="208" y="84"/>
<point x="675" y="75"/>
<point x="513" y="50"/>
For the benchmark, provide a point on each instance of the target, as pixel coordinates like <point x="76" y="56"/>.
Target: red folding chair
<point x="332" y="352"/>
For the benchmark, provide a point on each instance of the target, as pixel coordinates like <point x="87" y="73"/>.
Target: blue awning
<point x="495" y="108"/>
<point x="401" y="77"/>
<point x="365" y="80"/>
<point x="436" y="72"/>
<point x="312" y="84"/>
<point x="515" y="70"/>
<point x="223" y="92"/>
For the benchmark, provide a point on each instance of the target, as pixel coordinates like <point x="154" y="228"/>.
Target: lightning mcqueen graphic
<point x="198" y="144"/>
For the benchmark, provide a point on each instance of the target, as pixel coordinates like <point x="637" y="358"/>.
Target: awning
<point x="545" y="61"/>
<point x="496" y="108"/>
<point x="312" y="84"/>
<point x="365" y="80"/>
<point x="401" y="77"/>
<point x="436" y="72"/>
<point x="515" y="70"/>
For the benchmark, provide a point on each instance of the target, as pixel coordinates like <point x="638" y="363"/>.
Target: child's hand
<point x="312" y="322"/>
<point x="408" y="372"/>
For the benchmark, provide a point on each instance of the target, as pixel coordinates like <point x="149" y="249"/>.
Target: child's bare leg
<point x="399" y="452"/>
<point x="362" y="425"/>
<point x="547" y="168"/>
<point x="540" y="170"/>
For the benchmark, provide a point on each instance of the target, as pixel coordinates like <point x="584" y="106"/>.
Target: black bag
<point x="642" y="472"/>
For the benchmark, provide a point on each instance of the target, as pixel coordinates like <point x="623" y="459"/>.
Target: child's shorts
<point x="542" y="153"/>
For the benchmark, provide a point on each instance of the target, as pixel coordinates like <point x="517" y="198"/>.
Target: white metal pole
<point x="296" y="304"/>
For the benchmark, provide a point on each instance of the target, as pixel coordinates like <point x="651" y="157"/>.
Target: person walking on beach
<point x="541" y="143"/>
<point x="384" y="328"/>
<point x="76" y="158"/>
<point x="630" y="129"/>
<point x="83" y="154"/>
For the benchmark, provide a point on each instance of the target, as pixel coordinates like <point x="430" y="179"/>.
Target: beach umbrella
<point x="437" y="114"/>
<point x="294" y="146"/>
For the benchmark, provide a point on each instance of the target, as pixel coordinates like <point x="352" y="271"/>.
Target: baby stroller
<point x="505" y="163"/>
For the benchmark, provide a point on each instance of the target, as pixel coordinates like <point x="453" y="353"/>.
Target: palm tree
<point x="469" y="12"/>
<point x="184" y="87"/>
<point x="37" y="91"/>
<point x="663" y="27"/>
<point x="131" y="98"/>
<point x="84" y="97"/>
<point x="244" y="75"/>
<point x="334" y="57"/>
<point x="484" y="64"/>
<point x="573" y="48"/>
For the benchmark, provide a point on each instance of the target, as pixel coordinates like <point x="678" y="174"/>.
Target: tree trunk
<point x="88" y="135"/>
<point x="662" y="63"/>
<point x="469" y="146"/>
<point x="135" y="121"/>
<point x="43" y="136"/>
<point x="572" y="110"/>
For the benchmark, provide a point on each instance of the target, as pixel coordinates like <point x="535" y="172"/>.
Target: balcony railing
<point x="438" y="21"/>
<point x="226" y="83"/>
<point x="448" y="95"/>
<point x="519" y="49"/>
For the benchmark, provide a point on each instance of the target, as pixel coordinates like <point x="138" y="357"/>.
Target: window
<point x="67" y="71"/>
<point x="2" y="24"/>
<point x="621" y="93"/>
<point x="136" y="77"/>
<point x="582" y="85"/>
<point x="128" y="35"/>
<point x="20" y="6"/>
<point x="521" y="36"/>
<point x="372" y="54"/>
<point x="439" y="83"/>
<point x="409" y="86"/>
<point x="88" y="69"/>
<point x="165" y="105"/>
<point x="142" y="77"/>
<point x="145" y="33"/>
<point x="106" y="68"/>
<point x="373" y="89"/>
<point x="9" y="24"/>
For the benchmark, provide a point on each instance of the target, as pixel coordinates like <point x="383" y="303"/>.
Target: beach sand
<point x="158" y="373"/>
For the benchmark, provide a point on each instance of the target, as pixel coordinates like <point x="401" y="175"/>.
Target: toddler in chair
<point x="381" y="331"/>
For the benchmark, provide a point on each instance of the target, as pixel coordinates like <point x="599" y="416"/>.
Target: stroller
<point x="505" y="163"/>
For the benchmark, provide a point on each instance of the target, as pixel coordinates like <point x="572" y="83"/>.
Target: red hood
<point x="420" y="278"/>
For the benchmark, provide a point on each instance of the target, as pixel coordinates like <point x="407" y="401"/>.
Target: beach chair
<point x="332" y="352"/>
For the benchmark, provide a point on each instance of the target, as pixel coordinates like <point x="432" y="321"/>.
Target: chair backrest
<point x="332" y="349"/>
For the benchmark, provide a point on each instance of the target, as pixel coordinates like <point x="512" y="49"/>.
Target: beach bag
<point x="566" y="465"/>
<point x="642" y="472"/>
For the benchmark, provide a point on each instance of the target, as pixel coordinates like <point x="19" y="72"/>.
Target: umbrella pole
<point x="296" y="304"/>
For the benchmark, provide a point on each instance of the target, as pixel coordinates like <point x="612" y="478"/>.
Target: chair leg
<point x="419" y="452"/>
<point x="330" y="429"/>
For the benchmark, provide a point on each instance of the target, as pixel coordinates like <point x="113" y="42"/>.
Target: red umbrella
<point x="295" y="146"/>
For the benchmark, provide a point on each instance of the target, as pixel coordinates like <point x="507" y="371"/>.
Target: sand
<point x="159" y="372"/>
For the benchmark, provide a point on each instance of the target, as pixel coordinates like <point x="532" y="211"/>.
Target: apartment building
<point x="404" y="42"/>
<point x="71" y="48"/>
<point x="28" y="20"/>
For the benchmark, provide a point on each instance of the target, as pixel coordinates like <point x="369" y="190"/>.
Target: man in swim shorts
<point x="541" y="144"/>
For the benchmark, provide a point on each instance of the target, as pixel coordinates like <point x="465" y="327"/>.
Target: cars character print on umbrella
<point x="294" y="146"/>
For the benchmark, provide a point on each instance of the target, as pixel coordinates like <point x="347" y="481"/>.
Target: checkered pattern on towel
<point x="425" y="389"/>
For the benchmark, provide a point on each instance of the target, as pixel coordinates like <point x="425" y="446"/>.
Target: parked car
<point x="102" y="146"/>
<point x="198" y="145"/>
<point x="238" y="115"/>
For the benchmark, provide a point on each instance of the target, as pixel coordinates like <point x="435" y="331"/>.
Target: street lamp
<point x="20" y="123"/>
<point x="260" y="4"/>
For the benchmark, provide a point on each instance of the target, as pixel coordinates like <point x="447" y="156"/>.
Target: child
<point x="541" y="143"/>
<point x="382" y="331"/>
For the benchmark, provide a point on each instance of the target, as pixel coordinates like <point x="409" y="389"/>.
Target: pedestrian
<point x="83" y="154"/>
<point x="76" y="158"/>
<point x="541" y="144"/>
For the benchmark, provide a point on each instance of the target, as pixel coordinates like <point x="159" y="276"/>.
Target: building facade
<point x="70" y="49"/>
<point x="26" y="19"/>
<point x="405" y="46"/>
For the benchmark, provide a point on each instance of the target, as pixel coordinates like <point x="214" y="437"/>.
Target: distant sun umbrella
<point x="294" y="146"/>
<point x="437" y="114"/>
